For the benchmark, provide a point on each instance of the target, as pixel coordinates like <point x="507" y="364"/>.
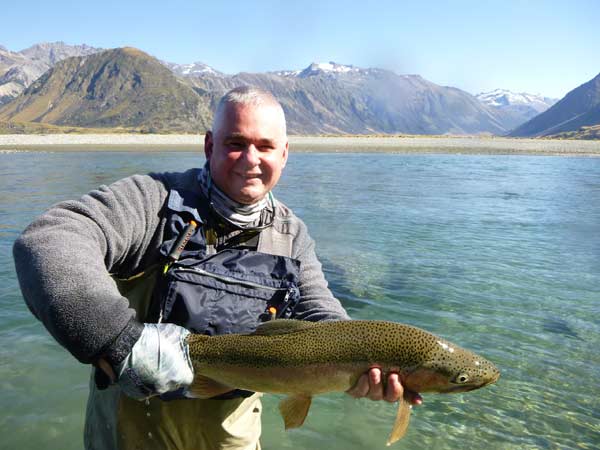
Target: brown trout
<point x="302" y="359"/>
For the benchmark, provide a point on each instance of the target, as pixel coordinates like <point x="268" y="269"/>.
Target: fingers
<point x="373" y="386"/>
<point x="107" y="369"/>
<point x="361" y="388"/>
<point x="414" y="398"/>
<point x="394" y="389"/>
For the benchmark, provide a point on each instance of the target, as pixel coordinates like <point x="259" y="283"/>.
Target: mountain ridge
<point x="322" y="98"/>
<point x="120" y="87"/>
<point x="360" y="101"/>
<point x="19" y="69"/>
<point x="517" y="108"/>
<point x="579" y="108"/>
<point x="82" y="91"/>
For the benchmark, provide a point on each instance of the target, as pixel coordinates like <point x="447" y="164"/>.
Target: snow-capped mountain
<point x="321" y="98"/>
<point x="326" y="68"/>
<point x="318" y="69"/>
<point x="518" y="108"/>
<point x="500" y="98"/>
<point x="330" y="68"/>
<point x="190" y="70"/>
<point x="335" y="99"/>
<point x="287" y="73"/>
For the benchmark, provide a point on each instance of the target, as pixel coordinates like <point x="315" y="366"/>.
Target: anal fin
<point x="294" y="410"/>
<point x="401" y="422"/>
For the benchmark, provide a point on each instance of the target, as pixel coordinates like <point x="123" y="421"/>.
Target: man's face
<point x="247" y="151"/>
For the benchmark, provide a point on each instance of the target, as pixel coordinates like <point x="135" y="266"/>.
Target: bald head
<point x="248" y="96"/>
<point x="247" y="148"/>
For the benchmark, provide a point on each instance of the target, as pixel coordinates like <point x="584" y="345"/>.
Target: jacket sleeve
<point x="316" y="300"/>
<point x="65" y="258"/>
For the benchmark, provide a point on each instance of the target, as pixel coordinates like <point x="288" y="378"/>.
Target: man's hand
<point x="158" y="363"/>
<point x="372" y="386"/>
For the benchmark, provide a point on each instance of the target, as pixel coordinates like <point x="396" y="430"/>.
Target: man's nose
<point x="252" y="155"/>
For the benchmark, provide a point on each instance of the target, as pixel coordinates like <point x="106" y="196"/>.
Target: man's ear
<point x="285" y="153"/>
<point x="208" y="144"/>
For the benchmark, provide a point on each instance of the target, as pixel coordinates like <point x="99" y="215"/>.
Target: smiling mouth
<point x="251" y="178"/>
<point x="250" y="175"/>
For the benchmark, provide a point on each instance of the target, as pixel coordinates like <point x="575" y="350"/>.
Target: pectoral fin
<point x="401" y="423"/>
<point x="204" y="387"/>
<point x="294" y="410"/>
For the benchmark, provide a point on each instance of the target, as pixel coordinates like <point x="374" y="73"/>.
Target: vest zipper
<point x="233" y="280"/>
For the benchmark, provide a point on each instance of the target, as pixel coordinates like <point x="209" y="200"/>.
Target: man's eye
<point x="235" y="144"/>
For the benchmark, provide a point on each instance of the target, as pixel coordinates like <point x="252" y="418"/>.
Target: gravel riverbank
<point x="382" y="144"/>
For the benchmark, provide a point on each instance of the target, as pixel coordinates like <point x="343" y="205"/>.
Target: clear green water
<point x="500" y="254"/>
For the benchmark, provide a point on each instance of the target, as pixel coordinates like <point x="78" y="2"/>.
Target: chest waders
<point x="211" y="292"/>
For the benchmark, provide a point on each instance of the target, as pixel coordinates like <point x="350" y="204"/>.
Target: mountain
<point x="9" y="89"/>
<point x="193" y="69"/>
<point x="579" y="108"/>
<point x="517" y="108"/>
<point x="114" y="88"/>
<point x="19" y="69"/>
<point x="128" y="88"/>
<point x="589" y="133"/>
<point x="334" y="98"/>
<point x="52" y="52"/>
<point x="330" y="68"/>
<point x="8" y="59"/>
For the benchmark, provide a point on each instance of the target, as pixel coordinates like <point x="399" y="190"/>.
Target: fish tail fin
<point x="294" y="410"/>
<point x="401" y="422"/>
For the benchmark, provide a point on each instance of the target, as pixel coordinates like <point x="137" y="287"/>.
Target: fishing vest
<point x="219" y="291"/>
<point x="230" y="290"/>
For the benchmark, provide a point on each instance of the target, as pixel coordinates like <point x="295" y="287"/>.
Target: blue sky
<point x="547" y="47"/>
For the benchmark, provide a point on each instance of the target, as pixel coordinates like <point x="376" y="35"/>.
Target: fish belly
<point x="310" y="379"/>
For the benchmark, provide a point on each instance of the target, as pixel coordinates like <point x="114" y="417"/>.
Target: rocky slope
<point x="333" y="98"/>
<point x="128" y="88"/>
<point x="115" y="88"/>
<point x="19" y="69"/>
<point x="579" y="108"/>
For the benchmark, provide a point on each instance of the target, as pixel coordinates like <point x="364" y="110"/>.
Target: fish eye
<point x="461" y="378"/>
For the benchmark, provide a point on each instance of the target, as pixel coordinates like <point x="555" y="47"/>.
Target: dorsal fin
<point x="282" y="326"/>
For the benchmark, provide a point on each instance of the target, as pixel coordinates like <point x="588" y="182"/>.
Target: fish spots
<point x="352" y="343"/>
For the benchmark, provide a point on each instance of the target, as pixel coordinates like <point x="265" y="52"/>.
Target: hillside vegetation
<point x="116" y="88"/>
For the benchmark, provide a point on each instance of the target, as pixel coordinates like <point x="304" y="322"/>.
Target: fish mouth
<point x="471" y="387"/>
<point x="463" y="388"/>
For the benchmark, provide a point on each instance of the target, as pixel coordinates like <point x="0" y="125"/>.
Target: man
<point x="100" y="272"/>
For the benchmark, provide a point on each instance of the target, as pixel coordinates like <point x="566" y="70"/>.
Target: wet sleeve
<point x="316" y="300"/>
<point x="65" y="257"/>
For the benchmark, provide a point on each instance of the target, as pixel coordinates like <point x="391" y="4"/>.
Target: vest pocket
<point x="211" y="298"/>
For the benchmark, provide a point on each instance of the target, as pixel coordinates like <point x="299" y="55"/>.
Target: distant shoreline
<point x="306" y="144"/>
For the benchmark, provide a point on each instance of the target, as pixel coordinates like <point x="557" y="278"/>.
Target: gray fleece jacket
<point x="65" y="259"/>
